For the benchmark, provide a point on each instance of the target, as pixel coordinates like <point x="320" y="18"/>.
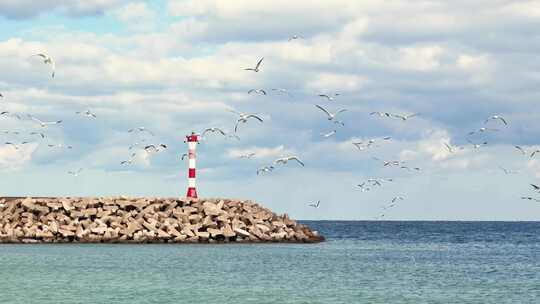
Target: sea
<point x="360" y="262"/>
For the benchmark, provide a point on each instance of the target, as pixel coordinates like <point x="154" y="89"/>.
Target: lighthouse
<point x="192" y="141"/>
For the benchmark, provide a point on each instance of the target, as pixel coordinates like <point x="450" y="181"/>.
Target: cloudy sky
<point x="177" y="66"/>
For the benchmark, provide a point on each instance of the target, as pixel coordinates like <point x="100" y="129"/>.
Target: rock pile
<point x="144" y="220"/>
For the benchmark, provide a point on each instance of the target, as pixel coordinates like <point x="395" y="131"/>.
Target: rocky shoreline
<point x="145" y="220"/>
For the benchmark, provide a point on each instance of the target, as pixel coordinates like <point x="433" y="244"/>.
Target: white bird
<point x="244" y="118"/>
<point x="38" y="133"/>
<point x="508" y="171"/>
<point x="184" y="155"/>
<point x="410" y="169"/>
<point x="140" y="129"/>
<point x="75" y="173"/>
<point x="381" y="114"/>
<point x="295" y="37"/>
<point x="534" y="152"/>
<point x="481" y="130"/>
<point x="520" y="149"/>
<point x="282" y="91"/>
<point x="477" y="146"/>
<point x="248" y="155"/>
<point x="126" y="162"/>
<point x="87" y="113"/>
<point x="315" y="205"/>
<point x="535" y="187"/>
<point x="404" y="117"/>
<point x="155" y="148"/>
<point x="331" y="116"/>
<point x="258" y="91"/>
<point x="48" y="60"/>
<point x="233" y="136"/>
<point x="256" y="68"/>
<point x="495" y="117"/>
<point x="530" y="198"/>
<point x="213" y="130"/>
<point x="44" y="124"/>
<point x="379" y="181"/>
<point x="329" y="97"/>
<point x="396" y="198"/>
<point x="331" y="133"/>
<point x="284" y="160"/>
<point x="59" y="146"/>
<point x="364" y="187"/>
<point x="15" y="146"/>
<point x="7" y="113"/>
<point x="265" y="169"/>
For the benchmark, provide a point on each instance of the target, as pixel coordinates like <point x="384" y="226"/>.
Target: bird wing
<point x="259" y="63"/>
<point x="448" y="147"/>
<point x="236" y="126"/>
<point x="41" y="55"/>
<point x="503" y="120"/>
<point x="324" y="110"/>
<point x="535" y="187"/>
<point x="341" y="111"/>
<point x="296" y="159"/>
<point x="254" y="116"/>
<point x="251" y="91"/>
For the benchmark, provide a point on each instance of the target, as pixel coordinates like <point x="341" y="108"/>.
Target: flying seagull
<point x="530" y="198"/>
<point x="404" y="117"/>
<point x="38" y="133"/>
<point x="126" y="162"/>
<point x="47" y="60"/>
<point x="44" y="124"/>
<point x="363" y="187"/>
<point x="256" y="68"/>
<point x="258" y="91"/>
<point x="87" y="113"/>
<point x="535" y="187"/>
<point x="213" y="130"/>
<point x="184" y="156"/>
<point x="331" y="133"/>
<point x="295" y="37"/>
<point x="75" y="173"/>
<point x="396" y="198"/>
<point x="284" y="160"/>
<point x="248" y="155"/>
<point x="477" y="146"/>
<point x="331" y="116"/>
<point x="520" y="149"/>
<point x="381" y="114"/>
<point x="59" y="146"/>
<point x="140" y="129"/>
<point x="15" y="145"/>
<point x="495" y="117"/>
<point x="244" y="118"/>
<point x="155" y="148"/>
<point x="265" y="169"/>
<point x="329" y="97"/>
<point x="315" y="205"/>
<point x="508" y="171"/>
<point x="481" y="130"/>
<point x="282" y="91"/>
<point x="534" y="152"/>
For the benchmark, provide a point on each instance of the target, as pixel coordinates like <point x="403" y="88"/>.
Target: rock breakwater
<point x="144" y="220"/>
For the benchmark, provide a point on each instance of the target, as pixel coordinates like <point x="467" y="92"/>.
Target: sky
<point x="177" y="66"/>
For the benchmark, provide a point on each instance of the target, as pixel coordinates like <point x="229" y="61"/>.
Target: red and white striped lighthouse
<point x="192" y="141"/>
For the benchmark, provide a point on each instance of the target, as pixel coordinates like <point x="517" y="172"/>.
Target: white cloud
<point x="137" y="16"/>
<point x="260" y="152"/>
<point x="14" y="159"/>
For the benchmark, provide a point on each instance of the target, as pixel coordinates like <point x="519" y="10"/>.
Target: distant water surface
<point x="361" y="262"/>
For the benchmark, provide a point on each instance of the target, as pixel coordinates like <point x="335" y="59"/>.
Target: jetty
<point x="145" y="220"/>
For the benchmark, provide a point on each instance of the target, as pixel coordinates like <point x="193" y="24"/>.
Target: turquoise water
<point x="362" y="262"/>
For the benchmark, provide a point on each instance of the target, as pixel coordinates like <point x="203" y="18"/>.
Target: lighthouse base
<point x="191" y="192"/>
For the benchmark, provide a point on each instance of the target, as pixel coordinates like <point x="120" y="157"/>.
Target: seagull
<point x="7" y="113"/>
<point x="523" y="151"/>
<point x="247" y="156"/>
<point x="530" y="198"/>
<point x="283" y="91"/>
<point x="38" y="133"/>
<point x="535" y="187"/>
<point x="410" y="169"/>
<point x="184" y="156"/>
<point x="10" y="132"/>
<point x="59" y="146"/>
<point x="75" y="173"/>
<point x="481" y="130"/>
<point x="331" y="116"/>
<point x="508" y="171"/>
<point x="477" y="146"/>
<point x="140" y="129"/>
<point x="265" y="169"/>
<point x="244" y="118"/>
<point x="233" y="136"/>
<point x="44" y="124"/>
<point x="495" y="117"/>
<point x="126" y="162"/>
<point x="381" y="114"/>
<point x="213" y="130"/>
<point x="451" y="148"/>
<point x="87" y="113"/>
<point x="396" y="198"/>
<point x="363" y="187"/>
<point x="256" y="68"/>
<point x="154" y="148"/>
<point x="330" y="98"/>
<point x="379" y="181"/>
<point x="404" y="117"/>
<point x="534" y="152"/>
<point x="47" y="60"/>
<point x="284" y="160"/>
<point x="315" y="205"/>
<point x="326" y="135"/>
<point x="15" y="145"/>
<point x="258" y="91"/>
<point x="133" y="146"/>
<point x="295" y="37"/>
